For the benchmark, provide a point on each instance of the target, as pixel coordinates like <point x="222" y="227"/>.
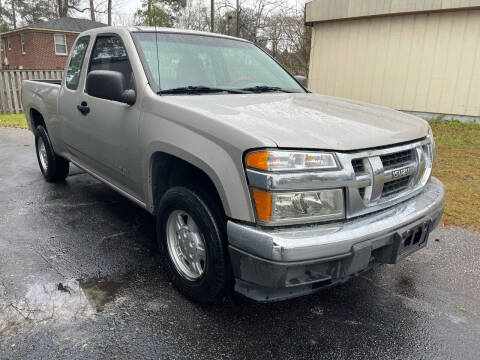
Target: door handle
<point x="83" y="108"/>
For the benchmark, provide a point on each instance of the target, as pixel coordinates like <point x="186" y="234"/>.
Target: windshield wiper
<point x="265" y="88"/>
<point x="199" y="90"/>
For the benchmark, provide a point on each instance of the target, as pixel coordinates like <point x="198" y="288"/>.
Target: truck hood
<point x="307" y="120"/>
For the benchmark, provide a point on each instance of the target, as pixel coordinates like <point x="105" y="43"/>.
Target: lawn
<point x="13" y="120"/>
<point x="457" y="166"/>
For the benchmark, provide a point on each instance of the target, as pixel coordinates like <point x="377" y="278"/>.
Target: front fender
<point x="225" y="169"/>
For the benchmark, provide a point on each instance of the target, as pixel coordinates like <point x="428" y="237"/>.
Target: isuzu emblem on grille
<point x="400" y="172"/>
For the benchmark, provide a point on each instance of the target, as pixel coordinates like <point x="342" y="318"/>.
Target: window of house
<point x="1" y="44"/>
<point x="9" y="43"/>
<point x="60" y="44"/>
<point x="76" y="61"/>
<point x="109" y="54"/>
<point x="22" y="43"/>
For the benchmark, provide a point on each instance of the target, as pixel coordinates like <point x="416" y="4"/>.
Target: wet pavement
<point x="80" y="278"/>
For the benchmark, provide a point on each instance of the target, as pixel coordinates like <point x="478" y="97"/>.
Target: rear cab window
<point x="76" y="61"/>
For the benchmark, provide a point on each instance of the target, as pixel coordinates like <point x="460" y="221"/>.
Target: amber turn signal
<point x="263" y="205"/>
<point x="258" y="160"/>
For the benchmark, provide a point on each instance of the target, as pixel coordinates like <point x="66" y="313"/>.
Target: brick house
<point x="41" y="46"/>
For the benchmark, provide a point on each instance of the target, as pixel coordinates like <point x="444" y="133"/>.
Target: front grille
<point x="398" y="159"/>
<point x="395" y="186"/>
<point x="378" y="178"/>
<point x="358" y="166"/>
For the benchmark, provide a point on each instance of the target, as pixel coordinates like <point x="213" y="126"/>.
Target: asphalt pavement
<point x="80" y="278"/>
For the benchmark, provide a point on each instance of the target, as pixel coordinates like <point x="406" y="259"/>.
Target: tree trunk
<point x="212" y="16"/>
<point x="149" y="10"/>
<point x="14" y="15"/>
<point x="92" y="11"/>
<point x="109" y="11"/>
<point x="62" y="8"/>
<point x="238" y="19"/>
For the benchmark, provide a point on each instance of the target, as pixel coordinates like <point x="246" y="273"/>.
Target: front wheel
<point x="191" y="237"/>
<point x="54" y="168"/>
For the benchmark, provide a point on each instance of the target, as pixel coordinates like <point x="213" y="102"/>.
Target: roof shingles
<point x="67" y="24"/>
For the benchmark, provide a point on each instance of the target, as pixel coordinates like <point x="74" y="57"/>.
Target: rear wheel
<point x="54" y="168"/>
<point x="191" y="236"/>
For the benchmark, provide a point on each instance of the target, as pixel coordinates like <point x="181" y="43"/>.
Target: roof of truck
<point x="162" y="30"/>
<point x="180" y="31"/>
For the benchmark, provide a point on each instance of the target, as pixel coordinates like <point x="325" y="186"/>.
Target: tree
<point x="65" y="8"/>
<point x="109" y="12"/>
<point x="3" y="13"/>
<point x="298" y="38"/>
<point x="92" y="11"/>
<point x="276" y="26"/>
<point x="14" y="15"/>
<point x="34" y="11"/>
<point x="62" y="8"/>
<point x="195" y="16"/>
<point x="159" y="12"/>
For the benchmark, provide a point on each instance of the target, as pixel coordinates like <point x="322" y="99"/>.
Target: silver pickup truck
<point x="257" y="185"/>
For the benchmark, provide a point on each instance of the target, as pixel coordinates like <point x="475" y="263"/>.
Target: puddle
<point x="66" y="301"/>
<point x="99" y="291"/>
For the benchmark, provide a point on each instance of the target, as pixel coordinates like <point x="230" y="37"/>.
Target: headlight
<point x="279" y="160"/>
<point x="427" y="157"/>
<point x="298" y="207"/>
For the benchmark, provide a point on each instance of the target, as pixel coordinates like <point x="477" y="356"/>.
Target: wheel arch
<point x="36" y="119"/>
<point x="168" y="170"/>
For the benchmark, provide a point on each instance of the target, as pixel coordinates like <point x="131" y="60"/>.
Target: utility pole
<point x="212" y="16"/>
<point x="238" y="18"/>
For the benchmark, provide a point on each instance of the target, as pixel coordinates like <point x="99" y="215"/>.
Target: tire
<point x="213" y="280"/>
<point x="54" y="168"/>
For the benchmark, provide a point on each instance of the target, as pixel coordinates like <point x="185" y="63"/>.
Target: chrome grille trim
<point x="397" y="160"/>
<point x="395" y="186"/>
<point x="358" y="166"/>
<point x="364" y="188"/>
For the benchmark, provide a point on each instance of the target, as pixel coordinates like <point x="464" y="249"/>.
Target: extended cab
<point x="257" y="184"/>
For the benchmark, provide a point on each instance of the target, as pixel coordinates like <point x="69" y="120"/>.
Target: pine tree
<point x="160" y="13"/>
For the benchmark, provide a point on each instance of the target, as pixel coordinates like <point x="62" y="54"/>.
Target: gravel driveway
<point x="80" y="278"/>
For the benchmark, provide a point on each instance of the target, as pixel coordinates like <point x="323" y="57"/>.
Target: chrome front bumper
<point x="274" y="264"/>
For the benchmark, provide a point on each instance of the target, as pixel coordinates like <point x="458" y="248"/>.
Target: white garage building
<point x="419" y="56"/>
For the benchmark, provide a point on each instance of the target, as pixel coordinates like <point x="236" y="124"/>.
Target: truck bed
<point x="42" y="96"/>
<point x="48" y="81"/>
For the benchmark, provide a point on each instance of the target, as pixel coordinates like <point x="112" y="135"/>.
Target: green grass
<point x="457" y="165"/>
<point x="13" y="120"/>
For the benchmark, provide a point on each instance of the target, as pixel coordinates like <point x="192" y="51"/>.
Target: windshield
<point x="205" y="61"/>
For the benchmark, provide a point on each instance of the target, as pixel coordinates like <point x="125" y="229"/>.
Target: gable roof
<point x="67" y="24"/>
<point x="62" y="24"/>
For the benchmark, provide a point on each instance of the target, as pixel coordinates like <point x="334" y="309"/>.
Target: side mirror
<point x="302" y="80"/>
<point x="107" y="84"/>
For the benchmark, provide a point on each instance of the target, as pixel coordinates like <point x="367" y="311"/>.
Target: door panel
<point x="110" y="144"/>
<point x="70" y="93"/>
<point x="102" y="134"/>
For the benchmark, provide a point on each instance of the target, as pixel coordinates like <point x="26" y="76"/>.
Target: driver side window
<point x="109" y="53"/>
